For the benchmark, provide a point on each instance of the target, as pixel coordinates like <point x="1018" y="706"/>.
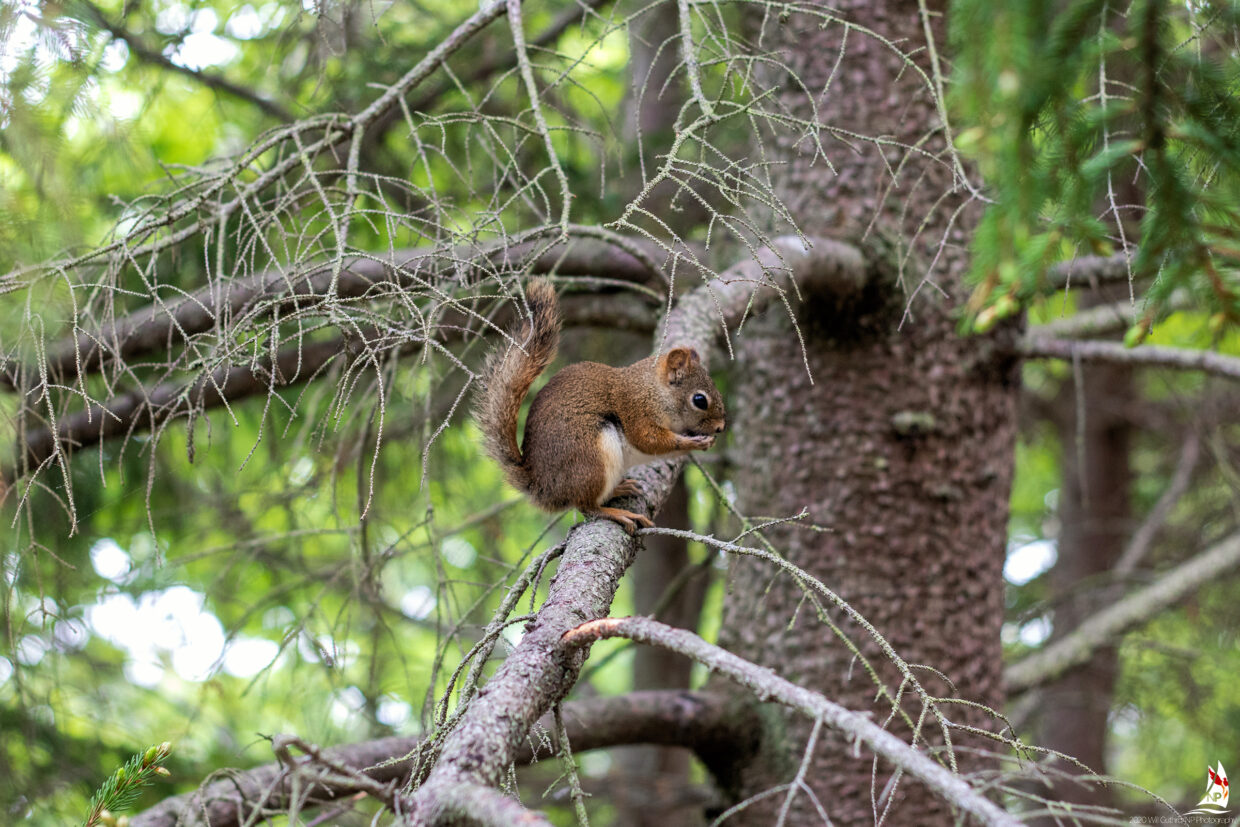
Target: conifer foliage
<point x="1066" y="109"/>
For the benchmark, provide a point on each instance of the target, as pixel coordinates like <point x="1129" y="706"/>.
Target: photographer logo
<point x="1215" y="800"/>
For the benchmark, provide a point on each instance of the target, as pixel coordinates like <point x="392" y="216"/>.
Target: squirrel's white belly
<point x="618" y="456"/>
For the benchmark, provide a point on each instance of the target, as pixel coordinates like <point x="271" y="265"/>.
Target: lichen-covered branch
<point x="160" y="326"/>
<point x="147" y="409"/>
<point x="765" y="684"/>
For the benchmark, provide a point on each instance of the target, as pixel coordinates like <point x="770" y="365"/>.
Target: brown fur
<point x="508" y="375"/>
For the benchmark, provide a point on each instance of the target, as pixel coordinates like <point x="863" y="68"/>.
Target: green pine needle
<point x="121" y="790"/>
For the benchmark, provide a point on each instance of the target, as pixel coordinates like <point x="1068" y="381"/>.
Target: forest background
<point x="984" y="392"/>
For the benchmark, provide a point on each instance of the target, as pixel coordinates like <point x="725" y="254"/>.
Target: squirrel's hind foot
<point x="629" y="519"/>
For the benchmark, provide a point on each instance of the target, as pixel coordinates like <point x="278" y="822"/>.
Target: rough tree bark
<point x="902" y="444"/>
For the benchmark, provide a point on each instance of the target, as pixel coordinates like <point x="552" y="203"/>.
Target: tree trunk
<point x="1095" y="514"/>
<point x="902" y="445"/>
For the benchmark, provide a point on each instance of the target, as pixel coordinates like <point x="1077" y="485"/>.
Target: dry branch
<point x="712" y="725"/>
<point x="146" y="409"/>
<point x="765" y="684"/>
<point x="1139" y="607"/>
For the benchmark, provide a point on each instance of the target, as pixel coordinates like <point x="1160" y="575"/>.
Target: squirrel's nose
<point x="719" y="428"/>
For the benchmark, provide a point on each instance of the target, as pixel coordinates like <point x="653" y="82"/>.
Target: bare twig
<point x="517" y="27"/>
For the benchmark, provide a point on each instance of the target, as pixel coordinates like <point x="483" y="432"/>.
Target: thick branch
<point x="147" y="409"/>
<point x="832" y="267"/>
<point x="160" y="326"/>
<point x="474" y="804"/>
<point x="541" y="670"/>
<point x="714" y="726"/>
<point x="766" y="684"/>
<point x="1207" y="361"/>
<point x="1139" y="607"/>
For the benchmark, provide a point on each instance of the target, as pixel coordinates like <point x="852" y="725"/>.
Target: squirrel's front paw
<point x="700" y="443"/>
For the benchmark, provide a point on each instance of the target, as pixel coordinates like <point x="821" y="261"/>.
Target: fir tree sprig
<point x="121" y="790"/>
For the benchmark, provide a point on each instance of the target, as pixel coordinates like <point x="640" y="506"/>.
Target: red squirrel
<point x="591" y="422"/>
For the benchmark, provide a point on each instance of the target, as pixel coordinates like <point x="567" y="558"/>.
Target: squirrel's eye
<point x="700" y="401"/>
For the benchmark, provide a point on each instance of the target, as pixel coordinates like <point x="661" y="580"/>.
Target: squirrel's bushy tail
<point x="507" y="377"/>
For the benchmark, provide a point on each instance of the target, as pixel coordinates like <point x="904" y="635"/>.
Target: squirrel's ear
<point x="674" y="365"/>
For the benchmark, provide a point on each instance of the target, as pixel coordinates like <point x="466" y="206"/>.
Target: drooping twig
<point x="146" y="409"/>
<point x="526" y="69"/>
<point x="765" y="684"/>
